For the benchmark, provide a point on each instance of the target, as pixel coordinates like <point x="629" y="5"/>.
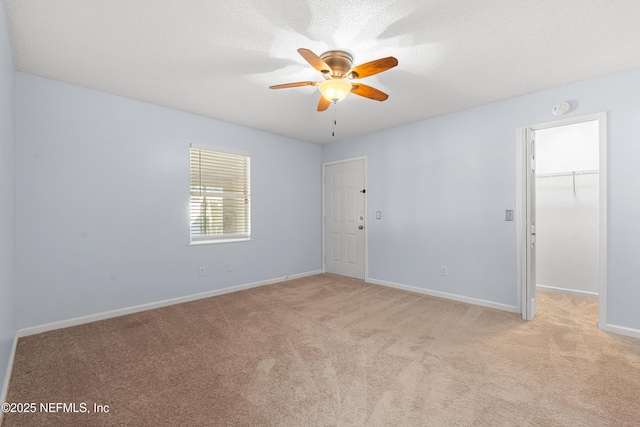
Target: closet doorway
<point x="567" y="169"/>
<point x="561" y="220"/>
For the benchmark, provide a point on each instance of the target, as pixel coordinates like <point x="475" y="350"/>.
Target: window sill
<point x="218" y="241"/>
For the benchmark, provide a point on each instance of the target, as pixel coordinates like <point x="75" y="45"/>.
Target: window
<point x="220" y="198"/>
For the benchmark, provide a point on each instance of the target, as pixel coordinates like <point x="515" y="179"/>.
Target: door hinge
<point x="533" y="149"/>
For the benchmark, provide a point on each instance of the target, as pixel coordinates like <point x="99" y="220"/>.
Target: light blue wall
<point x="102" y="203"/>
<point x="443" y="186"/>
<point x="7" y="202"/>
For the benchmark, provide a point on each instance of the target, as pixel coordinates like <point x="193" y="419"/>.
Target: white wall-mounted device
<point x="561" y="108"/>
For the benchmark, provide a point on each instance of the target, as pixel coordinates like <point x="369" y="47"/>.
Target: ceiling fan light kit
<point x="335" y="90"/>
<point x="336" y="68"/>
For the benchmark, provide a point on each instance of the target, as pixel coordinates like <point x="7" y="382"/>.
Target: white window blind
<point x="220" y="196"/>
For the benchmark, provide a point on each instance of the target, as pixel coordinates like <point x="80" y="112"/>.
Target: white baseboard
<point x="567" y="291"/>
<point x="454" y="297"/>
<point x="150" y="306"/>
<point x="621" y="330"/>
<point x="615" y="329"/>
<point x="7" y="379"/>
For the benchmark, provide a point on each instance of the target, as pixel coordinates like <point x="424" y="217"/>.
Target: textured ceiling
<point x="217" y="58"/>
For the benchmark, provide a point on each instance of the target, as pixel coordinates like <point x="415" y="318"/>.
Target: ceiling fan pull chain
<point x="333" y="132"/>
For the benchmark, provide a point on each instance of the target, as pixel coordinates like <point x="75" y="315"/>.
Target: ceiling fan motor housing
<point x="339" y="61"/>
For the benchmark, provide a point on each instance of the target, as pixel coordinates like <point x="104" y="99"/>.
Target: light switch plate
<point x="378" y="215"/>
<point x="508" y="215"/>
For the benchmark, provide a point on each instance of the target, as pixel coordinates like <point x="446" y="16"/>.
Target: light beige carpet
<point x="330" y="351"/>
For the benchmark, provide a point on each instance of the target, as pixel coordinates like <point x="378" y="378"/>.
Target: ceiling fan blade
<point x="373" y="67"/>
<point x="314" y="60"/>
<point x="369" y="92"/>
<point x="296" y="84"/>
<point x="323" y="104"/>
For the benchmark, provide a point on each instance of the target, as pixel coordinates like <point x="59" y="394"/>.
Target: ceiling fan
<point x="336" y="68"/>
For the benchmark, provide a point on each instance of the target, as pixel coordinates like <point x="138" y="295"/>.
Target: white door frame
<point x="366" y="216"/>
<point x="521" y="206"/>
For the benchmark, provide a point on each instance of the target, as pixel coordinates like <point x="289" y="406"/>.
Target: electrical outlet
<point x="203" y="271"/>
<point x="444" y="270"/>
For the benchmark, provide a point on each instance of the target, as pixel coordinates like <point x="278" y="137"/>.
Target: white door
<point x="530" y="221"/>
<point x="344" y="218"/>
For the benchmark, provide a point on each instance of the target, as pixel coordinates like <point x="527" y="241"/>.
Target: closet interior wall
<point x="567" y="197"/>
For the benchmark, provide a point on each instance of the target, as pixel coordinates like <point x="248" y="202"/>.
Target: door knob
<point x="360" y="227"/>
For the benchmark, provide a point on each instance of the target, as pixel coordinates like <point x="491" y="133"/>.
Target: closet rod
<point x="571" y="174"/>
<point x="553" y="175"/>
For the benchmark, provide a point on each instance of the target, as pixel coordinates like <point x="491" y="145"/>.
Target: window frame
<point x="206" y="239"/>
